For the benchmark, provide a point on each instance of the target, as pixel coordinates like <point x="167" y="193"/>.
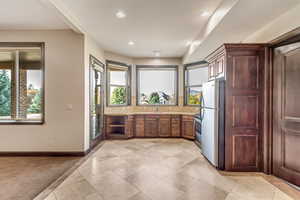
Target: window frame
<point x="127" y="86"/>
<point x="186" y="86"/>
<point x="157" y="67"/>
<point x="40" y="45"/>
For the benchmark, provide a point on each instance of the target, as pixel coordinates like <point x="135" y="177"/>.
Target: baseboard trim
<point x="44" y="154"/>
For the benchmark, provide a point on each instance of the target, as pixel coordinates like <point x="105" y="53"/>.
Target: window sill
<point x="118" y="105"/>
<point x="14" y="122"/>
<point x="157" y="105"/>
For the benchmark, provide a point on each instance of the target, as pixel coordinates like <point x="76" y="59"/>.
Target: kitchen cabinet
<point x="216" y="66"/>
<point x="211" y="71"/>
<point x="115" y="127"/>
<point x="175" y="126"/>
<point x="165" y="126"/>
<point x="219" y="67"/>
<point x="129" y="126"/>
<point x="151" y="126"/>
<point x="242" y="66"/>
<point x="188" y="130"/>
<point x="139" y="126"/>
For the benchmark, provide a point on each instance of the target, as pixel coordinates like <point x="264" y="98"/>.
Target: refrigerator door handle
<point x="202" y="113"/>
<point x="202" y="101"/>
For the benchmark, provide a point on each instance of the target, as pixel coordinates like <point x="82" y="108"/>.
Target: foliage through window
<point x="21" y="92"/>
<point x="157" y="85"/>
<point x="195" y="76"/>
<point x="118" y="84"/>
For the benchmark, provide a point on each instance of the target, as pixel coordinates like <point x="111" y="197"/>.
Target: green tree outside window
<point x="35" y="106"/>
<point x="5" y="94"/>
<point x="154" y="98"/>
<point x="118" y="96"/>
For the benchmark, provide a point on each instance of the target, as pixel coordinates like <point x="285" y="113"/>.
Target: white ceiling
<point x="244" y="18"/>
<point x="164" y="25"/>
<point x="28" y="14"/>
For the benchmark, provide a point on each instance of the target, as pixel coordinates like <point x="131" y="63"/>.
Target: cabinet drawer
<point x="188" y="117"/>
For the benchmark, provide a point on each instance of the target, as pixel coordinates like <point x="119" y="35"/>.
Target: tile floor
<point x="158" y="169"/>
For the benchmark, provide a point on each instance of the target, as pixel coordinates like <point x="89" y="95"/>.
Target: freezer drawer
<point x="209" y="136"/>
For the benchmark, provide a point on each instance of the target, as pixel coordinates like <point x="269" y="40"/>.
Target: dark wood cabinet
<point x="115" y="127"/>
<point x="243" y="66"/>
<point x="129" y="126"/>
<point x="165" y="126"/>
<point x="188" y="130"/>
<point x="139" y="126"/>
<point x="211" y="71"/>
<point x="220" y="66"/>
<point x="151" y="126"/>
<point x="216" y="67"/>
<point x="175" y="126"/>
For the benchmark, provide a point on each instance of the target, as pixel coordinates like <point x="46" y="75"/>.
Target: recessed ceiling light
<point x="204" y="14"/>
<point x="131" y="43"/>
<point x="156" y="53"/>
<point x="120" y="14"/>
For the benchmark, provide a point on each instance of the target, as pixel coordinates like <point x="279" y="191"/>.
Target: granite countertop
<point x="152" y="113"/>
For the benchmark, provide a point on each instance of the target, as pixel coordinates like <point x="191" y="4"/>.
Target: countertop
<point x="151" y="113"/>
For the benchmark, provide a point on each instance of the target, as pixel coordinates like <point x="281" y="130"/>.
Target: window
<point x="157" y="85"/>
<point x="195" y="76"/>
<point x="21" y="83"/>
<point x="118" y="84"/>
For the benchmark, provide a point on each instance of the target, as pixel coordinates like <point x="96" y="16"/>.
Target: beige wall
<point x="279" y="26"/>
<point x="150" y="61"/>
<point x="64" y="85"/>
<point x="116" y="57"/>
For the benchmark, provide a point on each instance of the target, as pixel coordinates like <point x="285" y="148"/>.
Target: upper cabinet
<point x="216" y="67"/>
<point x="211" y="71"/>
<point x="219" y="67"/>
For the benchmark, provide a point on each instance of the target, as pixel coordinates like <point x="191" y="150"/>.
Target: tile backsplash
<point x="158" y="109"/>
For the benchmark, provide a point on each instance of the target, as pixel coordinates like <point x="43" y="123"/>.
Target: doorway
<point x="96" y="101"/>
<point x="286" y="111"/>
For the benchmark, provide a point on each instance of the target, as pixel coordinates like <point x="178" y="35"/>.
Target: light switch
<point x="69" y="107"/>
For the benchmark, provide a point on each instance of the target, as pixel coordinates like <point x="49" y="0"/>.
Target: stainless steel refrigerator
<point x="213" y="121"/>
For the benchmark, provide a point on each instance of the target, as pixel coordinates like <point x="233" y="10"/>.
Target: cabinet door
<point x="129" y="123"/>
<point x="176" y="126"/>
<point x="164" y="126"/>
<point x="188" y="127"/>
<point x="139" y="126"/>
<point x="151" y="126"/>
<point x="211" y="70"/>
<point x="220" y="66"/>
<point x="244" y="109"/>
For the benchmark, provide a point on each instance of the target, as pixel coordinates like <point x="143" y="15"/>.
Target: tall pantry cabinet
<point x="243" y="67"/>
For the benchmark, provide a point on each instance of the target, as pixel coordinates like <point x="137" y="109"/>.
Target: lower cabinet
<point x="129" y="126"/>
<point x="188" y="130"/>
<point x="176" y="126"/>
<point x="151" y="126"/>
<point x="141" y="126"/>
<point x="165" y="126"/>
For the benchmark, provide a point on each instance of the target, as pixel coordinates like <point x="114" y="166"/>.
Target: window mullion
<point x="17" y="86"/>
